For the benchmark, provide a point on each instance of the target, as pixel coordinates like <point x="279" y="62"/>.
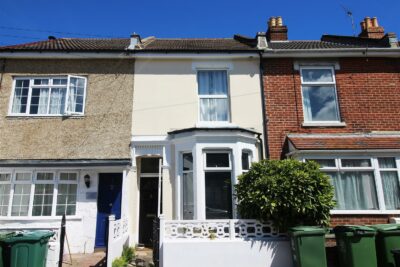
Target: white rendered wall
<point x="166" y="94"/>
<point x="216" y="253"/>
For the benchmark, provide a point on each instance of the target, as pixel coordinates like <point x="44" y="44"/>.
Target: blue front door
<point x="108" y="202"/>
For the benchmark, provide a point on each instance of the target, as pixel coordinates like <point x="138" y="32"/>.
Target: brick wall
<point x="360" y="219"/>
<point x="368" y="94"/>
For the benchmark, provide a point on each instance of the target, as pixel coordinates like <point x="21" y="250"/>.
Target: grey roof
<point x="121" y="44"/>
<point x="236" y="44"/>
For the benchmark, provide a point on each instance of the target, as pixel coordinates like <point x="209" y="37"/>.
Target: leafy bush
<point x="287" y="192"/>
<point x="128" y="253"/>
<point x="119" y="262"/>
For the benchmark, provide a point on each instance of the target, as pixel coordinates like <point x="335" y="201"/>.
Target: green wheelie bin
<point x="25" y="249"/>
<point x="3" y="235"/>
<point x="356" y="246"/>
<point x="308" y="246"/>
<point x="387" y="239"/>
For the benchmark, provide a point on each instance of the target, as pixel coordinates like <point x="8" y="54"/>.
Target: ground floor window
<point x="32" y="193"/>
<point x="363" y="183"/>
<point x="218" y="177"/>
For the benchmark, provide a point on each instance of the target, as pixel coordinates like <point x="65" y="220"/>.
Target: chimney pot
<point x="368" y="22"/>
<point x="273" y="22"/>
<point x="279" y="21"/>
<point x="375" y="22"/>
<point x="135" y="40"/>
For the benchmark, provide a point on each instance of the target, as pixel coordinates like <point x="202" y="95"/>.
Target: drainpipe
<point x="2" y="70"/>
<point x="264" y="110"/>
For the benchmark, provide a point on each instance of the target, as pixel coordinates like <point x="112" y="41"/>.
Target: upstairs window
<point x="319" y="94"/>
<point x="48" y="96"/>
<point x="213" y="95"/>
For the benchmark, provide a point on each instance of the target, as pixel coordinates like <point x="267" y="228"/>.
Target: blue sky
<point x="306" y="19"/>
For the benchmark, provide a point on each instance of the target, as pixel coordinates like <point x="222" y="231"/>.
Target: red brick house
<point x="337" y="101"/>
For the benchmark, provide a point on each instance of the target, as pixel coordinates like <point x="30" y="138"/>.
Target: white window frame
<point x="250" y="159"/>
<point x="10" y="182"/>
<point x="377" y="178"/>
<point x="50" y="86"/>
<point x="221" y="169"/>
<point x="200" y="97"/>
<point x="32" y="182"/>
<point x="181" y="174"/>
<point x="312" y="84"/>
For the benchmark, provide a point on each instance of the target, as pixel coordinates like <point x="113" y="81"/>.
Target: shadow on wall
<point x="278" y="250"/>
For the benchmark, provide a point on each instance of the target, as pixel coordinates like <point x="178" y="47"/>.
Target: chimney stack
<point x="371" y="29"/>
<point x="276" y="30"/>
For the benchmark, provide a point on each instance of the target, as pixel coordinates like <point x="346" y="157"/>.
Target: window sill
<point x="214" y="124"/>
<point x="11" y="116"/>
<point x="364" y="212"/>
<point x="43" y="219"/>
<point x="324" y="124"/>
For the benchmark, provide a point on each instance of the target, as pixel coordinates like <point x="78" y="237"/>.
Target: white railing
<point x="218" y="229"/>
<point x="117" y="237"/>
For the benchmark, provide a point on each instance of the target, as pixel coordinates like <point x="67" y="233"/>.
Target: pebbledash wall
<point x="102" y="133"/>
<point x="368" y="97"/>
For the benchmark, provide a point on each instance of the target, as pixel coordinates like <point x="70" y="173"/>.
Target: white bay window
<point x="363" y="184"/>
<point x="48" y="96"/>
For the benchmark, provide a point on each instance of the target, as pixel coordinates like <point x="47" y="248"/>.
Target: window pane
<point x="41" y="81"/>
<point x="5" y="177"/>
<point x="66" y="199"/>
<point x="20" y="204"/>
<point x="214" y="109"/>
<point x="43" y="200"/>
<point x="245" y="161"/>
<point x="212" y="82"/>
<point x="187" y="162"/>
<point x="23" y="176"/>
<point x="320" y="103"/>
<point x="68" y="176"/>
<point x="354" y="190"/>
<point x="76" y="93"/>
<point x="391" y="192"/>
<point x="317" y="75"/>
<point x="20" y="98"/>
<point x="4" y="198"/>
<point x="324" y="163"/>
<point x="57" y="100"/>
<point x="149" y="165"/>
<point x="60" y="81"/>
<point x="214" y="160"/>
<point x="187" y="196"/>
<point x="385" y="163"/>
<point x="218" y="195"/>
<point x="39" y="101"/>
<point x="356" y="163"/>
<point x="45" y="176"/>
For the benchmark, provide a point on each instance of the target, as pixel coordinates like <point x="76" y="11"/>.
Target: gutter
<point x="129" y="54"/>
<point x="347" y="52"/>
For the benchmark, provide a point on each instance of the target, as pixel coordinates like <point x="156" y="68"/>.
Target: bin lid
<point x="22" y="236"/>
<point x="353" y="228"/>
<point x="386" y="227"/>
<point x="307" y="230"/>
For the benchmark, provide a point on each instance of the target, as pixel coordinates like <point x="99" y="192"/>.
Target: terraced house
<point x="151" y="129"/>
<point x="336" y="101"/>
<point x="65" y="123"/>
